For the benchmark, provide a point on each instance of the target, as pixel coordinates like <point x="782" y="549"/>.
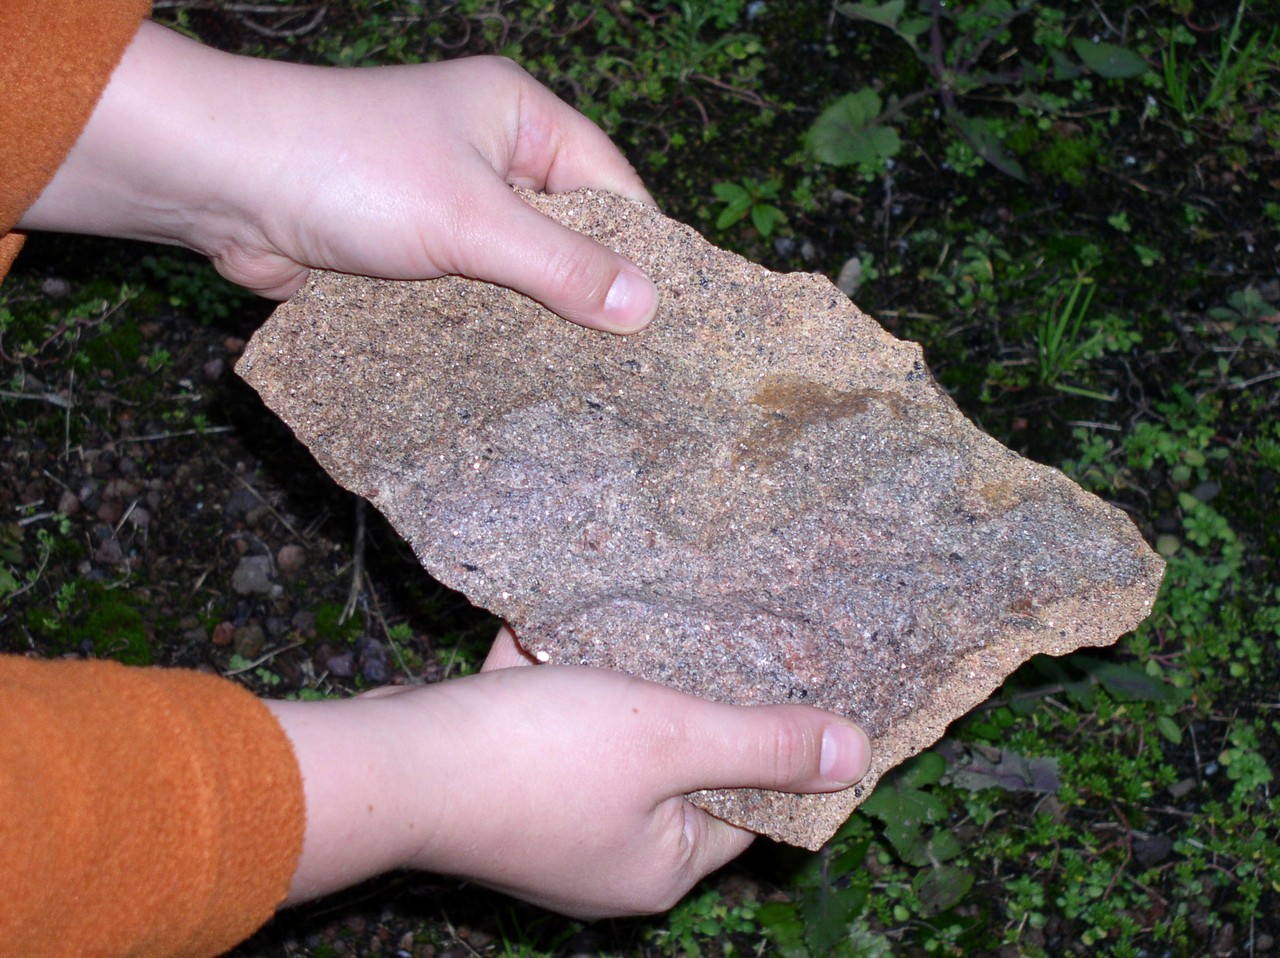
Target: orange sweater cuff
<point x="146" y="811"/>
<point x="58" y="57"/>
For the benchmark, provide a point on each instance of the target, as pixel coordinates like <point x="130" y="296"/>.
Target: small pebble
<point x="249" y="641"/>
<point x="109" y="553"/>
<point x="341" y="665"/>
<point x="375" y="664"/>
<point x="252" y="576"/>
<point x="110" y="511"/>
<point x="290" y="560"/>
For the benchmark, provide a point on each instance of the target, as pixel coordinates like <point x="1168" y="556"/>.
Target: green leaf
<point x="985" y="141"/>
<point x="828" y="912"/>
<point x="766" y="218"/>
<point x="729" y="192"/>
<point x="785" y="929"/>
<point x="848" y="133"/>
<point x="912" y="27"/>
<point x="885" y="14"/>
<point x="1108" y="60"/>
<point x="1169" y="729"/>
<point x="1129" y="681"/>
<point x="924" y="769"/>
<point x="1063" y="67"/>
<point x="943" y="846"/>
<point x="735" y="211"/>
<point x="942" y="887"/>
<point x="905" y="810"/>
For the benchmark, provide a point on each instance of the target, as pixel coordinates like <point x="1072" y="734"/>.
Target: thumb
<point x="506" y="652"/>
<point x="787" y="748"/>
<point x="572" y="275"/>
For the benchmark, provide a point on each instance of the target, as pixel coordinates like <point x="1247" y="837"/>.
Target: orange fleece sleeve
<point x="146" y="812"/>
<point x="56" y="60"/>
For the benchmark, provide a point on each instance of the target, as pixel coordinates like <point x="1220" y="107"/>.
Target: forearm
<point x="354" y="757"/>
<point x="169" y="153"/>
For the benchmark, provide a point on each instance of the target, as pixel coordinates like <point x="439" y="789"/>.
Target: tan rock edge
<point x="764" y="497"/>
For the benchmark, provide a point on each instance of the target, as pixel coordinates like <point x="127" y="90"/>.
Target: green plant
<point x="1234" y="68"/>
<point x="701" y="917"/>
<point x="189" y="282"/>
<point x="1132" y="268"/>
<point x="1060" y="348"/>
<point x="1243" y="760"/>
<point x="753" y="199"/>
<point x="855" y="131"/>
<point x="952" y="42"/>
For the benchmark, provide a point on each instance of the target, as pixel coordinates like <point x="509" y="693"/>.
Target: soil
<point x="200" y="534"/>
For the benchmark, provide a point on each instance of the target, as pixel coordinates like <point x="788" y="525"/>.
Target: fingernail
<point x="631" y="302"/>
<point x="846" y="754"/>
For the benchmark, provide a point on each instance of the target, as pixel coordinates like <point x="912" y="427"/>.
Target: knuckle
<point x="580" y="274"/>
<point x="503" y="67"/>
<point x="792" y="751"/>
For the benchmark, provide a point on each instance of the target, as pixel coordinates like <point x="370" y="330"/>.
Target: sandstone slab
<point x="765" y="497"/>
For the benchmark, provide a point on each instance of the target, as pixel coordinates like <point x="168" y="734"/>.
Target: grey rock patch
<point x="252" y="576"/>
<point x="764" y="497"/>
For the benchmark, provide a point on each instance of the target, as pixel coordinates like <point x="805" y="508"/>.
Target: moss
<point x="1062" y="152"/>
<point x="104" y="621"/>
<point x="331" y="628"/>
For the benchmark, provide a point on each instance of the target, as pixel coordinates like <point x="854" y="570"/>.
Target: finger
<point x="514" y="245"/>
<point x="382" y="691"/>
<point x="506" y="652"/>
<point x="558" y="149"/>
<point x="789" y="748"/>
<point x="712" y="843"/>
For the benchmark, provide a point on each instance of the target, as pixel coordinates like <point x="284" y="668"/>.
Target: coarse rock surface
<point x="764" y="497"/>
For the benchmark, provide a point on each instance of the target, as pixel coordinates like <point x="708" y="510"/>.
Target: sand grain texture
<point x="765" y="497"/>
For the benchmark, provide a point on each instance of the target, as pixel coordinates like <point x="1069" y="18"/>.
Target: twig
<point x="66" y="419"/>
<point x="357" y="565"/>
<point x="386" y="630"/>
<point x="35" y="577"/>
<point x="181" y="433"/>
<point x="279" y="33"/>
<point x="53" y="399"/>
<point x="1274" y="374"/>
<point x="124" y="518"/>
<point x="38" y="517"/>
<point x="269" y="507"/>
<point x="265" y="657"/>
<point x="234" y="7"/>
<point x="1090" y="424"/>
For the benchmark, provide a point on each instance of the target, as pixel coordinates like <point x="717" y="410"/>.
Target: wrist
<point x="363" y="804"/>
<point x="163" y="157"/>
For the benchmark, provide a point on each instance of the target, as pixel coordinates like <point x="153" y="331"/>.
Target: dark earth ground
<point x="200" y="534"/>
<point x="218" y="544"/>
<point x="226" y="549"/>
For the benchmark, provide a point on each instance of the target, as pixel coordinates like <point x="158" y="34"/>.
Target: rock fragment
<point x="252" y="576"/>
<point x="764" y="497"/>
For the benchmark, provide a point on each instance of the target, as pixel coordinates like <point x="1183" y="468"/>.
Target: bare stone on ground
<point x="765" y="497"/>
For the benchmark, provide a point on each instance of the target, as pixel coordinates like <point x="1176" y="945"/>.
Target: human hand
<point x="272" y="168"/>
<point x="560" y="785"/>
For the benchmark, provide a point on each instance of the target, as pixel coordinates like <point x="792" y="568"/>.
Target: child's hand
<point x="560" y="785"/>
<point x="403" y="172"/>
